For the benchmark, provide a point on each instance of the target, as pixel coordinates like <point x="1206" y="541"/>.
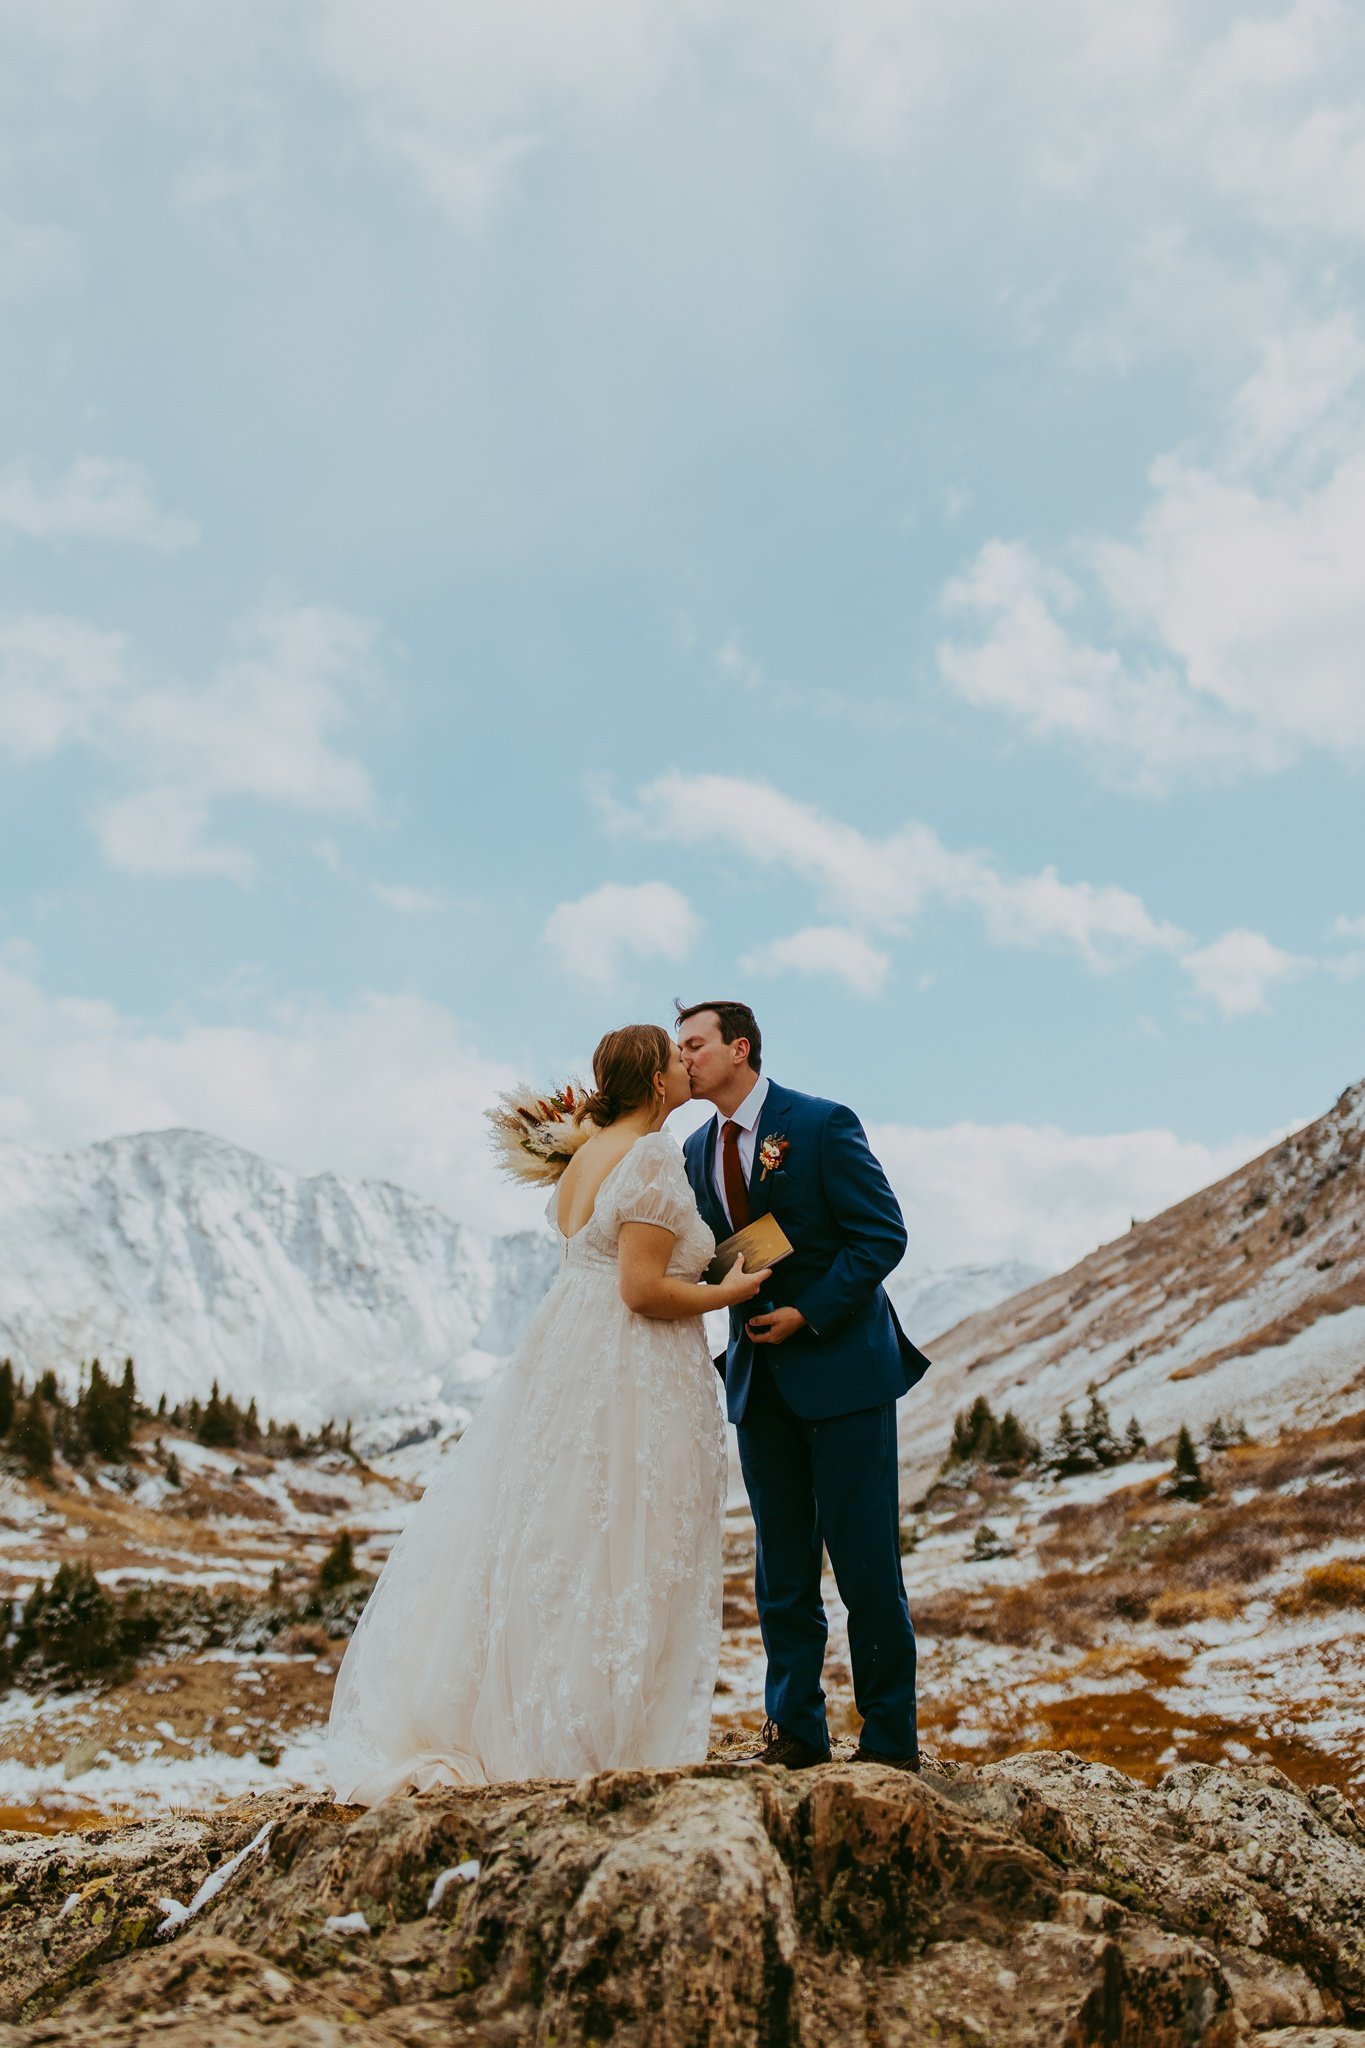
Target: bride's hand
<point x="738" y="1286"/>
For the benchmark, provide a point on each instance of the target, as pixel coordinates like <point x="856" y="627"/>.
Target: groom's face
<point x="711" y="1063"/>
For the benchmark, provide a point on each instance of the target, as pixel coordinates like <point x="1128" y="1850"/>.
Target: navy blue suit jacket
<point x="835" y="1204"/>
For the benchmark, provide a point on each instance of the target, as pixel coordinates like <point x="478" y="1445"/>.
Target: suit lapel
<point x="769" y="1120"/>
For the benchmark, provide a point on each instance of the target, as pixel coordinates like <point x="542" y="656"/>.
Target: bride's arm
<point x="650" y="1290"/>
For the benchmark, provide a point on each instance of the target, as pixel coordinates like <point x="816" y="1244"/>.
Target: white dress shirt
<point x="746" y="1116"/>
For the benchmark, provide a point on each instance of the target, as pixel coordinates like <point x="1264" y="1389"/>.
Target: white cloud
<point x="591" y="936"/>
<point x="463" y="95"/>
<point x="1238" y="970"/>
<point x="1230" y="625"/>
<point x="385" y="1086"/>
<point x="262" y="727"/>
<point x="1125" y="107"/>
<point x="165" y="832"/>
<point x="390" y="1087"/>
<point x="882" y="885"/>
<point x="824" y="949"/>
<point x="1349" y="927"/>
<point x="1304" y="377"/>
<point x="1275" y="110"/>
<point x="58" y="680"/>
<point x="986" y="1192"/>
<point x="1257" y="597"/>
<point x="401" y="896"/>
<point x="1104" y="925"/>
<point x="94" y="499"/>
<point x="1139" y="719"/>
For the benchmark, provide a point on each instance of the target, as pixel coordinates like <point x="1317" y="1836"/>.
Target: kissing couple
<point x="552" y="1606"/>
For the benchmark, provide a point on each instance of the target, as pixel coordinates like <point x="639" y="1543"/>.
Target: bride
<point x="552" y="1606"/>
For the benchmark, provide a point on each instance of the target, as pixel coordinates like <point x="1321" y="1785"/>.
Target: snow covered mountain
<point x="1245" y="1300"/>
<point x="318" y="1295"/>
<point x="933" y="1300"/>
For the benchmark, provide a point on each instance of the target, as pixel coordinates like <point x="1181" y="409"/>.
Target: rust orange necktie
<point x="732" y="1172"/>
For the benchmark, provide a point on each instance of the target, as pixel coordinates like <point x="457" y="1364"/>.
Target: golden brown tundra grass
<point x="1116" y="1582"/>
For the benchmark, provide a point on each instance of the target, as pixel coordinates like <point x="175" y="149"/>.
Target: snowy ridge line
<point x="322" y="1298"/>
<point x="1246" y="1299"/>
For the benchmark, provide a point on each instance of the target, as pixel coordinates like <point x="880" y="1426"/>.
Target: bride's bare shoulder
<point x="585" y="1173"/>
<point x="597" y="1155"/>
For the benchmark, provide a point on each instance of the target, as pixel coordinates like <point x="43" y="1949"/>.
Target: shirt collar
<point x="746" y="1116"/>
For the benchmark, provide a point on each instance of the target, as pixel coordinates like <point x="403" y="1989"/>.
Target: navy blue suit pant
<point x="831" y="1485"/>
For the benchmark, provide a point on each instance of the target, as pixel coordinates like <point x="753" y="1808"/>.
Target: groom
<point x="811" y="1384"/>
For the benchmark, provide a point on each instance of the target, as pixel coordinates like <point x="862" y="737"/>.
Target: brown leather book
<point x="761" y="1243"/>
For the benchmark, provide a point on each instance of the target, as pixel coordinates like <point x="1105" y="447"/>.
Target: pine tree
<point x="161" y="1405"/>
<point x="173" y="1470"/>
<point x="47" y="1387"/>
<point x="1188" y="1481"/>
<point x="1224" y="1431"/>
<point x="1013" y="1444"/>
<point x="71" y="1623"/>
<point x="339" y="1564"/>
<point x="972" y="1433"/>
<point x="128" y="1401"/>
<point x="31" y="1437"/>
<point x="1098" y="1434"/>
<point x="1134" y="1442"/>
<point x="218" y="1423"/>
<point x="102" y="1416"/>
<point x="251" y="1423"/>
<point x="1068" y="1452"/>
<point x="6" y="1395"/>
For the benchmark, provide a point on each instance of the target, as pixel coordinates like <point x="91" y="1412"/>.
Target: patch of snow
<point x="163" y="1780"/>
<point x="459" y="1873"/>
<point x="177" y="1915"/>
<point x="339" y="1925"/>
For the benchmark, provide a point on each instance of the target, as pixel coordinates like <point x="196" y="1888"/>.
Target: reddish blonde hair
<point x="624" y="1066"/>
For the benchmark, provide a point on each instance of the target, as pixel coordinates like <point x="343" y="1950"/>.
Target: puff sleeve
<point x="651" y="1186"/>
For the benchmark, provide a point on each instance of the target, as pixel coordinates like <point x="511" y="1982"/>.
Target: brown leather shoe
<point x="895" y="1763"/>
<point x="789" y="1750"/>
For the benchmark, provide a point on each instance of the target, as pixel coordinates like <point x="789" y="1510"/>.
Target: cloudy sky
<point x="509" y="514"/>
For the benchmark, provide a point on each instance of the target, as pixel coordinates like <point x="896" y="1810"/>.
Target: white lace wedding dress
<point x="552" y="1605"/>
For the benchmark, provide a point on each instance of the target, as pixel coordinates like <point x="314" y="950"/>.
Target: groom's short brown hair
<point x="737" y="1020"/>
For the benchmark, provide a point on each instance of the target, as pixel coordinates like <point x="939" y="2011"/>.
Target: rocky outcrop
<point x="1039" y="1900"/>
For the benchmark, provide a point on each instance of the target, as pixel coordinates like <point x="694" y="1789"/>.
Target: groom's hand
<point x="775" y="1325"/>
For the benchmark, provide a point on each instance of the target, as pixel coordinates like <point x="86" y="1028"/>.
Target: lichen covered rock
<point x="1039" y="1900"/>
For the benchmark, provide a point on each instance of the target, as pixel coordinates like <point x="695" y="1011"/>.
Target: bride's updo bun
<point x="624" y="1066"/>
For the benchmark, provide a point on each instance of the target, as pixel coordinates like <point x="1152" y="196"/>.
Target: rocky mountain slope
<point x="1246" y="1299"/>
<point x="1040" y="1899"/>
<point x="319" y="1296"/>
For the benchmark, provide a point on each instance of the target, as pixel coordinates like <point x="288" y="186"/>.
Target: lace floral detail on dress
<point x="553" y="1604"/>
<point x="648" y="1186"/>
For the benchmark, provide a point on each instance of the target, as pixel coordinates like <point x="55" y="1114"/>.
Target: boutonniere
<point x="771" y="1154"/>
